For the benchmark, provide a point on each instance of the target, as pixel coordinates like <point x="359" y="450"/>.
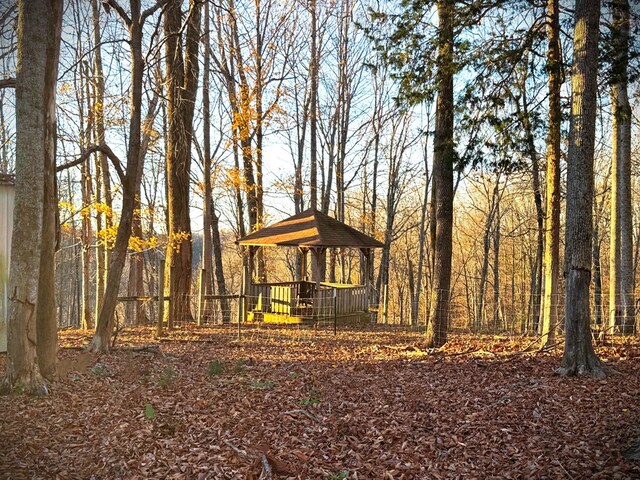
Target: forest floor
<point x="287" y="404"/>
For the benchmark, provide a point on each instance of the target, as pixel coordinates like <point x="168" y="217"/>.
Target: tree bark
<point x="621" y="282"/>
<point x="579" y="356"/>
<point x="182" y="82"/>
<point x="102" y="176"/>
<point x="443" y="158"/>
<point x="207" y="254"/>
<point x="101" y="340"/>
<point x="32" y="340"/>
<point x="552" y="240"/>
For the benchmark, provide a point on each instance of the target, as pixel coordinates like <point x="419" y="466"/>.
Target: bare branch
<point x="8" y="83"/>
<point x="116" y="6"/>
<point x="117" y="164"/>
<point x="151" y="10"/>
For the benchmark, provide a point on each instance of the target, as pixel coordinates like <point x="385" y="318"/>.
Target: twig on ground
<point x="266" y="473"/>
<point x="304" y="412"/>
<point x="239" y="451"/>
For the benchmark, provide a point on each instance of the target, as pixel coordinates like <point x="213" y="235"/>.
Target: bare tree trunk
<point x="552" y="240"/>
<point x="313" y="107"/>
<point x="83" y="94"/>
<point x="182" y="82"/>
<point x="217" y="254"/>
<point x="535" y="300"/>
<point x="621" y="269"/>
<point x="207" y="254"/>
<point x="597" y="279"/>
<point x="422" y="235"/>
<point x="497" y="312"/>
<point x="443" y="158"/>
<point x="101" y="339"/>
<point x="486" y="247"/>
<point x="32" y="340"/>
<point x="103" y="178"/>
<point x="579" y="357"/>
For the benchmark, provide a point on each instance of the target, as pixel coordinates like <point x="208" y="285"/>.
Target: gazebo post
<point x="368" y="267"/>
<point x="317" y="254"/>
<point x="303" y="263"/>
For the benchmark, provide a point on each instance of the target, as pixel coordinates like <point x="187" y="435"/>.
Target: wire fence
<point x="307" y="311"/>
<point x="310" y="308"/>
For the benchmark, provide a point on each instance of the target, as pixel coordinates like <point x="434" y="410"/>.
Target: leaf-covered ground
<point x="361" y="405"/>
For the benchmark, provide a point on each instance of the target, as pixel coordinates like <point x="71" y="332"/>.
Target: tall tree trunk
<point x="182" y="82"/>
<point x="443" y="158"/>
<point x="579" y="357"/>
<point x="207" y="254"/>
<point x="535" y="300"/>
<point x="31" y="327"/>
<point x="102" y="176"/>
<point x="101" y="339"/>
<point x="621" y="257"/>
<point x="313" y="106"/>
<point x="552" y="240"/>
<point x="84" y="95"/>
<point x="497" y="312"/>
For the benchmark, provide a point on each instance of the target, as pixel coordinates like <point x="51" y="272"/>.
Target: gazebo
<point x="308" y="301"/>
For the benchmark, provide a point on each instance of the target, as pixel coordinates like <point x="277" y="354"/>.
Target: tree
<point x="579" y="356"/>
<point x="443" y="161"/>
<point x="130" y="177"/>
<point x="621" y="284"/>
<point x="182" y="82"/>
<point x="32" y="338"/>
<point x="552" y="240"/>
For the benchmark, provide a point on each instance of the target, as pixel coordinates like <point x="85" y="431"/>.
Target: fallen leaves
<point x="293" y="404"/>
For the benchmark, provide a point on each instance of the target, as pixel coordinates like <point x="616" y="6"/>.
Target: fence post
<point x="242" y="300"/>
<point x="160" y="290"/>
<point x="335" y="311"/>
<point x="201" y="288"/>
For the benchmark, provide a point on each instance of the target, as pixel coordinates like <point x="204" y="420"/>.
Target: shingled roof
<point x="310" y="228"/>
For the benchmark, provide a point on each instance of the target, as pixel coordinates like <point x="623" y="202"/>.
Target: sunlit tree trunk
<point x="621" y="303"/>
<point x="552" y="234"/>
<point x="182" y="81"/>
<point x="207" y="254"/>
<point x="579" y="357"/>
<point x="102" y="176"/>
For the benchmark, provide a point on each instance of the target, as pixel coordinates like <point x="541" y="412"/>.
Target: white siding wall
<point x="6" y="229"/>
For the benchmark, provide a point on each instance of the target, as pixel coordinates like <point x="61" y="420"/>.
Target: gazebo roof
<point x="310" y="228"/>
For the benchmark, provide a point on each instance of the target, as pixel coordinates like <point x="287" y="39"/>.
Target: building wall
<point x="6" y="230"/>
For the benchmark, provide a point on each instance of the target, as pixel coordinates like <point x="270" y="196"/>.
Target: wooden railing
<point x="301" y="298"/>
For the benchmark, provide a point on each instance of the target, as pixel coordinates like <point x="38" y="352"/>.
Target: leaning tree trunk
<point x="579" y="357"/>
<point x="104" y="328"/>
<point x="182" y="82"/>
<point x="552" y="240"/>
<point x="443" y="157"/>
<point x="32" y="340"/>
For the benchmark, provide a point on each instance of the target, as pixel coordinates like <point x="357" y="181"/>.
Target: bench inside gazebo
<point x="308" y="300"/>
